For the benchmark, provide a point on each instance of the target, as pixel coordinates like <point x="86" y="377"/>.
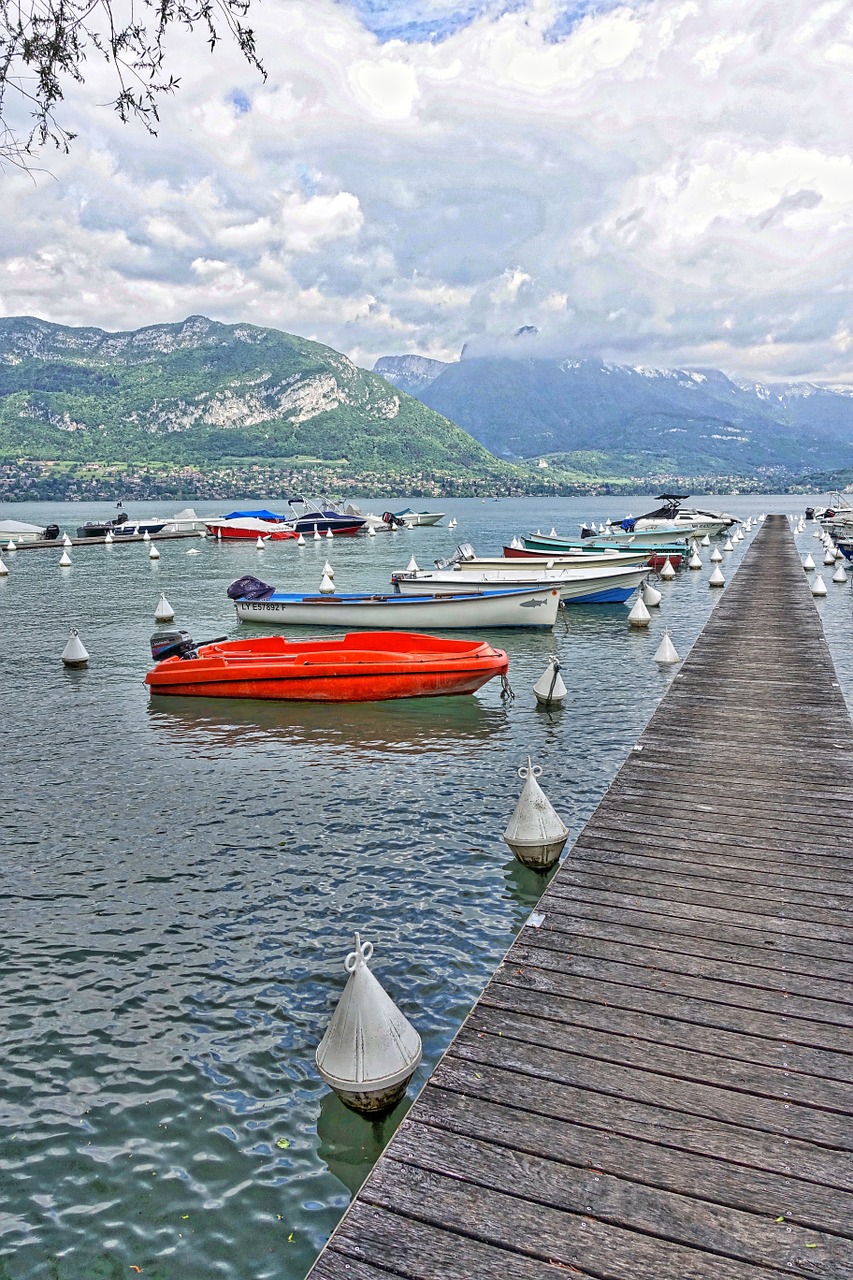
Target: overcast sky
<point x="658" y="183"/>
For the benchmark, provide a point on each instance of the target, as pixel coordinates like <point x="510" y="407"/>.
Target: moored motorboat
<point x="654" y="557"/>
<point x="609" y="584"/>
<point x="309" y="518"/>
<point x="252" y="524"/>
<point x="413" y="519"/>
<point x="19" y="531"/>
<point x="121" y="526"/>
<point x="532" y="606"/>
<point x="618" y="539"/>
<point x="368" y="667"/>
<point x="693" y="522"/>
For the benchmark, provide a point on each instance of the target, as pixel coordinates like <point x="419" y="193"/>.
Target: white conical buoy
<point x="66" y="541"/>
<point x="10" y="546"/>
<point x="716" y="556"/>
<point x="153" y="553"/>
<point x="65" y="561"/>
<point x="839" y="554"/>
<point x="259" y="545"/>
<point x="328" y="571"/>
<point x="838" y="576"/>
<point x="549" y="688"/>
<point x="329" y="533"/>
<point x="819" y="586"/>
<point x="146" y="537"/>
<point x="74" y="653"/>
<point x="716" y="579"/>
<point x="316" y="534"/>
<point x="193" y="551"/>
<point x="729" y="545"/>
<point x="370" y="1050"/>
<point x="452" y="524"/>
<point x="218" y="535"/>
<point x="651" y="596"/>
<point x="535" y="833"/>
<point x="371" y="532"/>
<point x="108" y="538"/>
<point x="639" y="615"/>
<point x="829" y="556"/>
<point x="694" y="562"/>
<point x="666" y="651"/>
<point x="164" y="611"/>
<point x="326" y="585"/>
<point x="667" y="572"/>
<point x="808" y="563"/>
<point x="412" y="566"/>
<point x="300" y="541"/>
<point x="4" y="569"/>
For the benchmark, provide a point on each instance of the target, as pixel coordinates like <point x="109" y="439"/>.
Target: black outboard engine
<point x="170" y="644"/>
<point x="394" y="522"/>
<point x="121" y="518"/>
<point x="52" y="532"/>
<point x="810" y="513"/>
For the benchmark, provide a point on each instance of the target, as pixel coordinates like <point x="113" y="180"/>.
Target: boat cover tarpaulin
<point x="249" y="588"/>
<point x="15" y="526"/>
<point x="254" y="515"/>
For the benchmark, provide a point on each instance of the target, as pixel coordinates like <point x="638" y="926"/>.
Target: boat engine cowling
<point x="170" y="644"/>
<point x="51" y="533"/>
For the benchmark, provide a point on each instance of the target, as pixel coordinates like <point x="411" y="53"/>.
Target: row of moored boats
<point x="522" y="588"/>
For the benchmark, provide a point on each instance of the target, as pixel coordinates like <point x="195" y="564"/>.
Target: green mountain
<point x="203" y="393"/>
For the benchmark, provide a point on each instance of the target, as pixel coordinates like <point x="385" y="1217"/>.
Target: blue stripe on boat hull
<point x="613" y="595"/>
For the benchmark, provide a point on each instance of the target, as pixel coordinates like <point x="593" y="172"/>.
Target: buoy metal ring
<point x="526" y="770"/>
<point x="359" y="956"/>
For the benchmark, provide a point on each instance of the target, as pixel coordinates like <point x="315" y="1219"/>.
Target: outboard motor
<point x="169" y="644"/>
<point x="394" y="522"/>
<point x="52" y="532"/>
<point x="121" y="518"/>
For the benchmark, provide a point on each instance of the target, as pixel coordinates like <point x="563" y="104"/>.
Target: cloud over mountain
<point x="668" y="182"/>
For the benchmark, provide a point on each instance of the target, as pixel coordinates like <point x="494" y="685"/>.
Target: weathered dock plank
<point x="658" y="1081"/>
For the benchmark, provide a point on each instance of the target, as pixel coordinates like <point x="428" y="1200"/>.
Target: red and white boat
<point x="372" y="666"/>
<point x="252" y="524"/>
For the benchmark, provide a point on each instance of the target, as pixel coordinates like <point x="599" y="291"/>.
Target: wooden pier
<point x="657" y="1083"/>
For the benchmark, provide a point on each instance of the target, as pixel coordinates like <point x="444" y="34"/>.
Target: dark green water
<point x="181" y="881"/>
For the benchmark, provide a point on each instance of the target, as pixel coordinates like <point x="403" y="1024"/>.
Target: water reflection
<point x="403" y="724"/>
<point x="350" y="1144"/>
<point x="525" y="885"/>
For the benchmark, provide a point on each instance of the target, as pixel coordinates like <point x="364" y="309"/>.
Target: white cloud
<point x="663" y="181"/>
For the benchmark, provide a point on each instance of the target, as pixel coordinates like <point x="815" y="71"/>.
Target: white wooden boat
<point x="605" y="585"/>
<point x="530" y="606"/>
<point x="534" y="564"/>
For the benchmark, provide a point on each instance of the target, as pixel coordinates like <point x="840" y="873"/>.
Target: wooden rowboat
<point x="368" y="667"/>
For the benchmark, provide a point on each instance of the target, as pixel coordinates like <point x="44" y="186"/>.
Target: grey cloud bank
<point x="668" y="183"/>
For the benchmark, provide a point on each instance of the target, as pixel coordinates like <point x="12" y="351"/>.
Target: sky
<point x="663" y="183"/>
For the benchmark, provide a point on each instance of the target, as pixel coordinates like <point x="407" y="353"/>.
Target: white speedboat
<point x="604" y="585"/>
<point x="534" y="606"/>
<point x="690" y="520"/>
<point x="413" y="519"/>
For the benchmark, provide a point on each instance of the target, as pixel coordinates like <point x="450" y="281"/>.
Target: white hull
<point x="536" y="607"/>
<point x="414" y="519"/>
<point x="560" y="560"/>
<point x="571" y="583"/>
<point x="695" y="527"/>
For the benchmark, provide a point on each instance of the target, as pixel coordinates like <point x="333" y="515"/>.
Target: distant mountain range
<point x="618" y="419"/>
<point x="202" y="392"/>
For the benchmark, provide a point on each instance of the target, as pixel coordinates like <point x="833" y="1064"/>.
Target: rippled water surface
<point x="181" y="880"/>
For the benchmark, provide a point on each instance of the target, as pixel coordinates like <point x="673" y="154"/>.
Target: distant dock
<point x="657" y="1083"/>
<point x="42" y="544"/>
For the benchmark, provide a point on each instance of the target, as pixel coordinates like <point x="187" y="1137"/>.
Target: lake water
<point x="181" y="883"/>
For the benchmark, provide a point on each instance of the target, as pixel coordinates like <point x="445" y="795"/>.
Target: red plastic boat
<point x="370" y="666"/>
